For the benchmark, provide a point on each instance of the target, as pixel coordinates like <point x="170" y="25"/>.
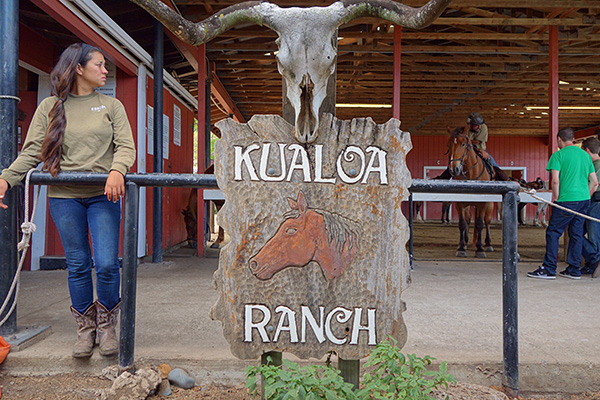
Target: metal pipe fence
<point x="508" y="190"/>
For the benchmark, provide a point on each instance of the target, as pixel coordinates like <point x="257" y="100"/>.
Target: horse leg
<point x="488" y="237"/>
<point x="463" y="233"/>
<point x="520" y="208"/>
<point x="544" y="211"/>
<point x="479" y="252"/>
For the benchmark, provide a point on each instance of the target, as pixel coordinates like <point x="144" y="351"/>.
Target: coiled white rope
<point x="6" y="96"/>
<point x="532" y="193"/>
<point x="27" y="227"/>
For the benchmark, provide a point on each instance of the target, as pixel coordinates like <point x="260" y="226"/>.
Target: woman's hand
<point x="115" y="186"/>
<point x="3" y="189"/>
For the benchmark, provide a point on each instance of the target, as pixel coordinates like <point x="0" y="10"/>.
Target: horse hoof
<point x="489" y="248"/>
<point x="461" y="253"/>
<point x="480" y="254"/>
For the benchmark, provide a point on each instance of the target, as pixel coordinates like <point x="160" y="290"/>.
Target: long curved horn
<point x="201" y="32"/>
<point x="400" y="14"/>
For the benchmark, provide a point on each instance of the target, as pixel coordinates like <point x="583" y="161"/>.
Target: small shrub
<point x="399" y="376"/>
<point x="394" y="376"/>
<point x="293" y="382"/>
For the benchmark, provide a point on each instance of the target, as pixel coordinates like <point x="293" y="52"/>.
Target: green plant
<point x="292" y="382"/>
<point x="399" y="376"/>
<point x="393" y="376"/>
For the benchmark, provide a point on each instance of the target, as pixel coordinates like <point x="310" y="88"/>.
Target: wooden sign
<point x="317" y="259"/>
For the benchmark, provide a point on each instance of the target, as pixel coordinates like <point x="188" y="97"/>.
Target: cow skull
<point x="307" y="50"/>
<point x="306" y="64"/>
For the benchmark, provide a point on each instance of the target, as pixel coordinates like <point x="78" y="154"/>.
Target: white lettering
<point x="319" y="166"/>
<point x="264" y="161"/>
<point x="382" y="168"/>
<point x="290" y="316"/>
<point x="244" y="158"/>
<point x="347" y="168"/>
<point x="357" y="327"/>
<point x="260" y="326"/>
<point x="342" y="317"/>
<point x="337" y="318"/>
<point x="316" y="328"/>
<point x="347" y="155"/>
<point x="303" y="166"/>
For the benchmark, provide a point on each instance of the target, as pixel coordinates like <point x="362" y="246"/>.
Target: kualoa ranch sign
<point x="317" y="259"/>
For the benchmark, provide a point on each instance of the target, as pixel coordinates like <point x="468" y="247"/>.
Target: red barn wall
<point x="508" y="151"/>
<point x="181" y="159"/>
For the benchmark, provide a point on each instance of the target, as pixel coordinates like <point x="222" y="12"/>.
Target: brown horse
<point x="465" y="164"/>
<point x="306" y="235"/>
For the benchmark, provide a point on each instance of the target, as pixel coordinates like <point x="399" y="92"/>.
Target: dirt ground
<point x="435" y="241"/>
<point x="78" y="387"/>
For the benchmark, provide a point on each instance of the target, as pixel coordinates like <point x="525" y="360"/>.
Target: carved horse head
<point x="308" y="235"/>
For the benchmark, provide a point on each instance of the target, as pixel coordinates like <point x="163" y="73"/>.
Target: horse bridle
<point x="461" y="160"/>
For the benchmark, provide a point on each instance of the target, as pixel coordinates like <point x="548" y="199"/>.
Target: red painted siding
<point x="508" y="151"/>
<point x="36" y="50"/>
<point x="180" y="161"/>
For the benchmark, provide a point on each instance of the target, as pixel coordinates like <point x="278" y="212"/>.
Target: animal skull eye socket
<point x="291" y="231"/>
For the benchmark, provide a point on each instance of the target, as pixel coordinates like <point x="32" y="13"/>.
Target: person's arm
<point x="124" y="154"/>
<point x="554" y="180"/>
<point x="3" y="189"/>
<point x="30" y="153"/>
<point x="592" y="183"/>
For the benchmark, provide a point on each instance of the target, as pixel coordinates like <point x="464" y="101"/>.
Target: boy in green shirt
<point x="573" y="180"/>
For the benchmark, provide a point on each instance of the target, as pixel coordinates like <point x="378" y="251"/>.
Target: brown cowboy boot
<point x="107" y="335"/>
<point x="86" y="331"/>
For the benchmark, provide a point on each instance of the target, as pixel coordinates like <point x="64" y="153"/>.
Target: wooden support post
<point x="553" y="90"/>
<point x="350" y="371"/>
<point x="276" y="360"/>
<point x="397" y="68"/>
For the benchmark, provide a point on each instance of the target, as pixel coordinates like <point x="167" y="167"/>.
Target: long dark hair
<point x="62" y="79"/>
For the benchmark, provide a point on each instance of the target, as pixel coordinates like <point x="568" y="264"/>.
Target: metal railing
<point x="508" y="190"/>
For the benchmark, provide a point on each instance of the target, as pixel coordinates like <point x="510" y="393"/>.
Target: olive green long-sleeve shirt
<point x="482" y="136"/>
<point x="97" y="138"/>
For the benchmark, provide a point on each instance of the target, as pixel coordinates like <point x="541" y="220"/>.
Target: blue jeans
<point x="559" y="221"/>
<point x="492" y="161"/>
<point x="591" y="244"/>
<point x="74" y="218"/>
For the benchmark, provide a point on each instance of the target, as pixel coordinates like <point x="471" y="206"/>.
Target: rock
<point x="132" y="387"/>
<point x="111" y="372"/>
<point x="164" y="370"/>
<point x="164" y="389"/>
<point x="181" y="378"/>
<point x="467" y="391"/>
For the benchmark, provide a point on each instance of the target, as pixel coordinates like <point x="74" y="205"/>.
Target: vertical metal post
<point x="157" y="205"/>
<point x="9" y="64"/>
<point x="410" y="225"/>
<point x="129" y="281"/>
<point x="509" y="293"/>
<point x="203" y="122"/>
